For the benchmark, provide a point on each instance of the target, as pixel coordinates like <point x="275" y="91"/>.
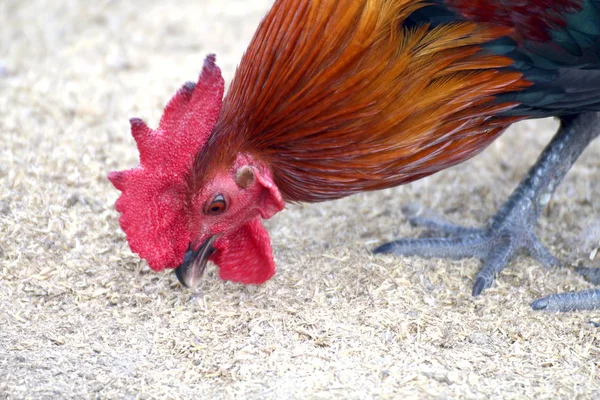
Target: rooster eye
<point x="217" y="206"/>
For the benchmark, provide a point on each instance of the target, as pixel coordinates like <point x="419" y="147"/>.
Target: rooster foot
<point x="511" y="230"/>
<point x="496" y="245"/>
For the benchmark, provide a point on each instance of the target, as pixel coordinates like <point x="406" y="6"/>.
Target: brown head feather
<point x="337" y="97"/>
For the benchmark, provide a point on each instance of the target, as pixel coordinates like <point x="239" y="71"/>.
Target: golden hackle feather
<point x="337" y="97"/>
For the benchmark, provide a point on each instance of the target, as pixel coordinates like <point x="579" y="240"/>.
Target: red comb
<point x="154" y="194"/>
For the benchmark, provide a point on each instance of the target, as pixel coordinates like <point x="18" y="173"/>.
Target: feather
<point x="339" y="97"/>
<point x="555" y="44"/>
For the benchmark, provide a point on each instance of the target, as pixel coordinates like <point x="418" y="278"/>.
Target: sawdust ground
<point x="80" y="316"/>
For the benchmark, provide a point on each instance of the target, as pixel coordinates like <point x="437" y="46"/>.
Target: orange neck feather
<point x="337" y="97"/>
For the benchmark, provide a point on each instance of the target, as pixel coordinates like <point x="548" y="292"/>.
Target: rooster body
<point x="336" y="97"/>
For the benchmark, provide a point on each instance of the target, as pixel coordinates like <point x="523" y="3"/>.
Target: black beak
<point x="191" y="270"/>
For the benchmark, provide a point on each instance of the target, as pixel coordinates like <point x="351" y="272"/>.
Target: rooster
<point x="337" y="97"/>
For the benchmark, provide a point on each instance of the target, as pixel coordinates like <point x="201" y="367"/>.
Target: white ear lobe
<point x="244" y="177"/>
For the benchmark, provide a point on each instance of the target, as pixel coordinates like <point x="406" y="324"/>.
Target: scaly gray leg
<point x="511" y="230"/>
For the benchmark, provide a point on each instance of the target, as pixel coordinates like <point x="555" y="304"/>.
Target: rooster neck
<point x="373" y="106"/>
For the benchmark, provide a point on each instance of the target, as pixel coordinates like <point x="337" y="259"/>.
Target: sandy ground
<point x="83" y="317"/>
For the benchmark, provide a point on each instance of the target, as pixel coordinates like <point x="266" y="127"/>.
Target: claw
<point x="480" y="285"/>
<point x="540" y="304"/>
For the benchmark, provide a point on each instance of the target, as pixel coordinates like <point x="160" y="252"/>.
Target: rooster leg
<point x="511" y="230"/>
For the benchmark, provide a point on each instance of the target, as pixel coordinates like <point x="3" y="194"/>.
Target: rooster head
<point x="173" y="223"/>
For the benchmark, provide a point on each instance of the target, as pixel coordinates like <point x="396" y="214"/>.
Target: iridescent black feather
<point x="555" y="44"/>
